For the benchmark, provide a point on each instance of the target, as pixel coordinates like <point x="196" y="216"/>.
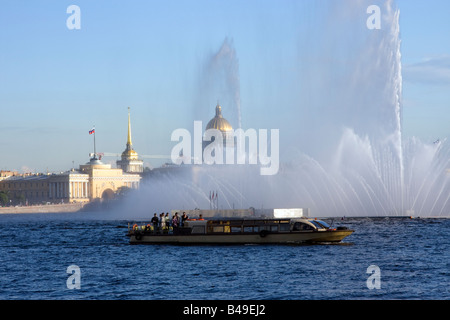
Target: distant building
<point x="93" y="180"/>
<point x="6" y="174"/>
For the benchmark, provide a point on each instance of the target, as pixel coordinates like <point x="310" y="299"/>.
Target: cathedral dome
<point x="219" y="122"/>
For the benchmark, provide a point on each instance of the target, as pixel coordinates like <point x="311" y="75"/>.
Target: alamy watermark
<point x="374" y="280"/>
<point x="74" y="280"/>
<point x="216" y="147"/>
<point x="74" y="20"/>
<point x="374" y="20"/>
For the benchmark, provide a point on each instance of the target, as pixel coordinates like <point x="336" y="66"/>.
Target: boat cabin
<point x="246" y="226"/>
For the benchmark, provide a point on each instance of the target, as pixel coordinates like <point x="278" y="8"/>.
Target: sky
<point x="172" y="61"/>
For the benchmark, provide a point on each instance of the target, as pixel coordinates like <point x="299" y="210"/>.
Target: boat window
<point x="248" y="229"/>
<point x="198" y="229"/>
<point x="218" y="229"/>
<point x="226" y="229"/>
<point x="274" y="228"/>
<point x="324" y="224"/>
<point x="320" y="224"/>
<point x="299" y="226"/>
<point x="255" y="229"/>
<point x="285" y="227"/>
<point x="236" y="229"/>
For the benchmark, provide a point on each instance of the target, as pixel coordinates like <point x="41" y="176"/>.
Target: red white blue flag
<point x="92" y="131"/>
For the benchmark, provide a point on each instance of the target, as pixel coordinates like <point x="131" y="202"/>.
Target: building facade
<point x="25" y="189"/>
<point x="94" y="180"/>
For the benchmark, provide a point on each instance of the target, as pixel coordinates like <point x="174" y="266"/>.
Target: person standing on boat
<point x="184" y="217"/>
<point x="167" y="218"/>
<point x="175" y="220"/>
<point x="155" y="222"/>
<point x="162" y="221"/>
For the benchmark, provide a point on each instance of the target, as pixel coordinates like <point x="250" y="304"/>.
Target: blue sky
<point x="156" y="57"/>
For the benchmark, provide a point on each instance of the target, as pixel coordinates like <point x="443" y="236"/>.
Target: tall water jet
<point x="369" y="165"/>
<point x="219" y="80"/>
<point x="359" y="92"/>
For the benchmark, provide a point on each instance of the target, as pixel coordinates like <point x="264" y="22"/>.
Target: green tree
<point x="4" y="199"/>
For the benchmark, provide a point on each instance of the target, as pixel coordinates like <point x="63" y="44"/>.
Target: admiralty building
<point x="91" y="181"/>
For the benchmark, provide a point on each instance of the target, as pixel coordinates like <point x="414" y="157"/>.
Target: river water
<point x="36" y="249"/>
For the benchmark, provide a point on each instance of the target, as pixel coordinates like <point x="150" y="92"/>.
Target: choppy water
<point x="35" y="251"/>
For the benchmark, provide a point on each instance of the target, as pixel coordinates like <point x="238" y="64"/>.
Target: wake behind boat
<point x="240" y="231"/>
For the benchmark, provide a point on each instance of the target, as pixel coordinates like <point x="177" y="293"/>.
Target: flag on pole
<point x="92" y="131"/>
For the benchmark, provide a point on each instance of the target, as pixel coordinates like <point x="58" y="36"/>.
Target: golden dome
<point x="130" y="154"/>
<point x="219" y="122"/>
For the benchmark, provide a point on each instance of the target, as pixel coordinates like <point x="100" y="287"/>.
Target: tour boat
<point x="240" y="231"/>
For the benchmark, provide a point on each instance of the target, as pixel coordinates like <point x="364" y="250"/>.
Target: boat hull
<point x="230" y="239"/>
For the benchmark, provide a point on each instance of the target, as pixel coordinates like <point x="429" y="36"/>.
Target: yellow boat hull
<point x="230" y="239"/>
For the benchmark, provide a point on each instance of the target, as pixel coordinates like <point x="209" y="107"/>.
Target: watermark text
<point x="216" y="147"/>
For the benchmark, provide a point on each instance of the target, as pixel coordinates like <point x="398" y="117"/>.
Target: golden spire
<point x="129" y="129"/>
<point x="129" y="153"/>
<point x="218" y="110"/>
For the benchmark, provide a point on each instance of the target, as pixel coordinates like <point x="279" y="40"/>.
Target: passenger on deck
<point x="184" y="217"/>
<point x="175" y="220"/>
<point x="201" y="217"/>
<point x="167" y="218"/>
<point x="162" y="221"/>
<point x="155" y="222"/>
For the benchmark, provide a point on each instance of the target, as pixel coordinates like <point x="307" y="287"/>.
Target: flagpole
<point x="95" y="152"/>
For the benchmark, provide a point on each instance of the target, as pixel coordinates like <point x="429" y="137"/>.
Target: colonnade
<point x="72" y="189"/>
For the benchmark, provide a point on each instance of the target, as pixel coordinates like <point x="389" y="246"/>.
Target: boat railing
<point x="149" y="229"/>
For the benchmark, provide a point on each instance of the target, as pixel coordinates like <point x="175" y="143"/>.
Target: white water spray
<point x="349" y="157"/>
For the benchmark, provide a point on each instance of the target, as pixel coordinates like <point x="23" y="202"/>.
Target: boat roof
<point x="237" y="221"/>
